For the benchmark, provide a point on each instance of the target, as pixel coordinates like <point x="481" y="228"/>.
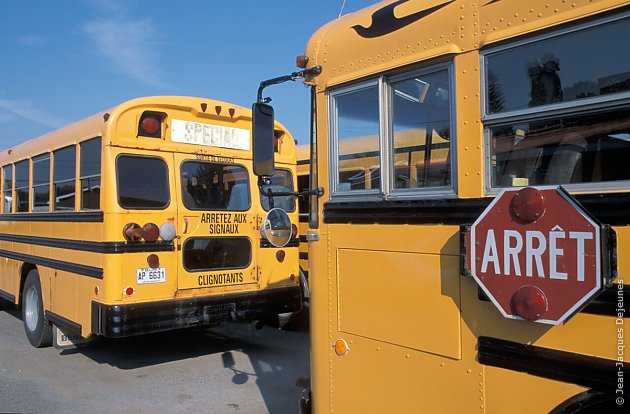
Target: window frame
<point x="27" y="186"/>
<point x="583" y="106"/>
<point x="4" y="192"/>
<point x="36" y="159"/>
<point x="167" y="176"/>
<point x="81" y="177"/>
<point x="55" y="182"/>
<point x="223" y="164"/>
<point x="387" y="190"/>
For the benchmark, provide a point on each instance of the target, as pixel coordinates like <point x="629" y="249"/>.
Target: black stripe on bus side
<point x="62" y="322"/>
<point x="264" y="243"/>
<point x="90" y="271"/>
<point x="7" y="296"/>
<point x="609" y="209"/>
<point x="587" y="371"/>
<point x="87" y="246"/>
<point x="82" y="217"/>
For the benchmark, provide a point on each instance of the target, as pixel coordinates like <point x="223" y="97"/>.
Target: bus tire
<point x="38" y="329"/>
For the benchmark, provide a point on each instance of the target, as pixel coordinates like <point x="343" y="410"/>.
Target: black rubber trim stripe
<point x="62" y="322"/>
<point x="609" y="209"/>
<point x="587" y="371"/>
<point x="90" y="271"/>
<point x="7" y="296"/>
<point x="87" y="246"/>
<point x="82" y="217"/>
<point x="264" y="243"/>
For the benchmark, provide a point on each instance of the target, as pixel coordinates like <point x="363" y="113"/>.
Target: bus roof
<point x="98" y="124"/>
<point x="389" y="35"/>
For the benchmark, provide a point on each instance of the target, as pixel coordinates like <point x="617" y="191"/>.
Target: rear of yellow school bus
<point x="172" y="237"/>
<point x="432" y="119"/>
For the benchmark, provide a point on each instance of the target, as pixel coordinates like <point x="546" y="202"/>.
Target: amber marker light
<point x="341" y="347"/>
<point x="301" y="61"/>
<point x="132" y="232"/>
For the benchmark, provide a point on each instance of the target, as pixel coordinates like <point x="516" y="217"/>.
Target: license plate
<point x="150" y="275"/>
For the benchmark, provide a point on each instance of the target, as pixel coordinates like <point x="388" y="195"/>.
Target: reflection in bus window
<point x="421" y="125"/>
<point x="217" y="253"/>
<point x="553" y="70"/>
<point x="64" y="172"/>
<point x="282" y="181"/>
<point x="21" y="186"/>
<point x="41" y="183"/>
<point x="358" y="136"/>
<point x="212" y="186"/>
<point x="572" y="149"/>
<point x="8" y="188"/>
<point x="91" y="174"/>
<point x="142" y="182"/>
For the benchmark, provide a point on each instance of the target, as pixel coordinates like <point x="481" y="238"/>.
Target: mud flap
<point x="66" y="339"/>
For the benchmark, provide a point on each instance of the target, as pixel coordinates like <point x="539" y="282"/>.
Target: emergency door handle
<point x="185" y="225"/>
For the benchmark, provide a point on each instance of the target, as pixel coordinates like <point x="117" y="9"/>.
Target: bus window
<point x="64" y="173"/>
<point x="357" y="136"/>
<point x="21" y="186"/>
<point x="41" y="183"/>
<point x="281" y="181"/>
<point x="142" y="182"/>
<point x="406" y="150"/>
<point x="421" y="128"/>
<point x="552" y="70"/>
<point x="8" y="188"/>
<point x="212" y="186"/>
<point x="217" y="253"/>
<point x="542" y="143"/>
<point x="90" y="174"/>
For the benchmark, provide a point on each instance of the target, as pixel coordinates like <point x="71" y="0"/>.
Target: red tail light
<point x="153" y="261"/>
<point x="151" y="124"/>
<point x="150" y="232"/>
<point x="280" y="255"/>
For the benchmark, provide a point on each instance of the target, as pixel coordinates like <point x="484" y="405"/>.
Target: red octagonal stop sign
<point x="536" y="254"/>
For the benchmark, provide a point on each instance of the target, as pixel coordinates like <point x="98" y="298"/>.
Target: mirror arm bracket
<point x="316" y="70"/>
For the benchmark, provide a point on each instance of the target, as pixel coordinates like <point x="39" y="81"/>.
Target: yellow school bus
<point x="147" y="217"/>
<point x="467" y="252"/>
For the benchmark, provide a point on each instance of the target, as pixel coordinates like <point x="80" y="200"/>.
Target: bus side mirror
<point x="263" y="139"/>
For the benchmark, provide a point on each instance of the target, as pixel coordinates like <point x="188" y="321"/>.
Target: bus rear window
<point x="282" y="181"/>
<point x="212" y="186"/>
<point x="142" y="182"/>
<point x="215" y="253"/>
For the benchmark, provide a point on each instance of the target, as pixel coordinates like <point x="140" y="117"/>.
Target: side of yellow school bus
<point x="144" y="218"/>
<point x="426" y="111"/>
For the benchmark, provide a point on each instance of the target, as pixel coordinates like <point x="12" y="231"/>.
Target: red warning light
<point x="528" y="205"/>
<point x="529" y="303"/>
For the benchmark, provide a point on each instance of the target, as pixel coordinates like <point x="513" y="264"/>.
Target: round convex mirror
<point x="276" y="227"/>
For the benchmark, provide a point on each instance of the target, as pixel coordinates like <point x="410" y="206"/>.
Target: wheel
<point x="38" y="329"/>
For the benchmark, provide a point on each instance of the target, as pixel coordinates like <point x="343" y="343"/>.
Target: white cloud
<point x="25" y="109"/>
<point x="5" y="117"/>
<point x="130" y="45"/>
<point x="32" y="41"/>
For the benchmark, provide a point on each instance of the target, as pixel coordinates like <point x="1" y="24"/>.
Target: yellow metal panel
<point x="524" y="393"/>
<point x="382" y="298"/>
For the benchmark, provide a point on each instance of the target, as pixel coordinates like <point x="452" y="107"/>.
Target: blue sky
<point x="61" y="61"/>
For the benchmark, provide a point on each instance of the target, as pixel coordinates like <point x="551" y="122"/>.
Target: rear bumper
<point x="116" y="321"/>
